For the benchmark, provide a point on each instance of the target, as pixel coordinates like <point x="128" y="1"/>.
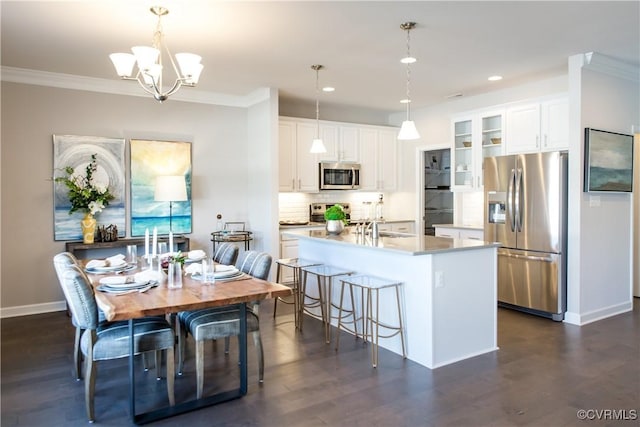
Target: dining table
<point x="193" y="295"/>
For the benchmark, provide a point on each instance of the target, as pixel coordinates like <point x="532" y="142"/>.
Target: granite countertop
<point x="409" y="244"/>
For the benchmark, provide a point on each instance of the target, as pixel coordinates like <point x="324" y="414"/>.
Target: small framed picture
<point x="608" y="161"/>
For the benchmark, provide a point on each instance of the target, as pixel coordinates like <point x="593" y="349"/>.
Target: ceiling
<point x="249" y="45"/>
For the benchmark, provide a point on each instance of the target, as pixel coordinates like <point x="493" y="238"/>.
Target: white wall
<point x="600" y="264"/>
<point x="222" y="146"/>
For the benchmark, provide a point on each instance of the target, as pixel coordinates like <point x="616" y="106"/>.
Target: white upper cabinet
<point x="298" y="169"/>
<point x="378" y="158"/>
<point x="538" y="126"/>
<point x="374" y="147"/>
<point x="475" y="136"/>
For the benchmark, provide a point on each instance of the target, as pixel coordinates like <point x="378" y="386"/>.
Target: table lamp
<point x="170" y="188"/>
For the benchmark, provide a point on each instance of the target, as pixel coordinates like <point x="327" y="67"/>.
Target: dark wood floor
<point x="543" y="374"/>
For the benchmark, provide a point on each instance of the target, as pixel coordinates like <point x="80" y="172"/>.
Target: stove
<point x="317" y="210"/>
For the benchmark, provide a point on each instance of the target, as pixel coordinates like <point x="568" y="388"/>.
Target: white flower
<point x="100" y="187"/>
<point x="95" y="207"/>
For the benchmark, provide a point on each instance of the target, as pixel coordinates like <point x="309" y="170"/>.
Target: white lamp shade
<point x="171" y="188"/>
<point x="408" y="131"/>
<point x="317" y="146"/>
<point x="145" y="56"/>
<point x="123" y="62"/>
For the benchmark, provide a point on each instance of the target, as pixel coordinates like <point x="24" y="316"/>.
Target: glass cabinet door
<point x="462" y="162"/>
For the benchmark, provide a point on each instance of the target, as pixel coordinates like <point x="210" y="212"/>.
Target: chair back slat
<point x="257" y="264"/>
<point x="79" y="294"/>
<point x="226" y="253"/>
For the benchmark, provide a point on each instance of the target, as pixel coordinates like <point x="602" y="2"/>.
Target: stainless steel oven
<point x="339" y="176"/>
<point x="317" y="210"/>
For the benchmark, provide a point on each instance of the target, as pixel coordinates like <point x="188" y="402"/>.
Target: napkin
<point x="148" y="276"/>
<point x="113" y="261"/>
<point x="196" y="255"/>
<point x="192" y="269"/>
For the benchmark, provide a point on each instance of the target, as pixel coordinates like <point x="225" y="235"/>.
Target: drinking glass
<point x="174" y="281"/>
<point x="132" y="255"/>
<point x="162" y="248"/>
<point x="208" y="271"/>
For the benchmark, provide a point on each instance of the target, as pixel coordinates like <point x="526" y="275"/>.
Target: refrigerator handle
<point x="518" y="200"/>
<point x="510" y="201"/>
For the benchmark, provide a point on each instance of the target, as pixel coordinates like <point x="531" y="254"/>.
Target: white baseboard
<point x="25" y="310"/>
<point x="593" y="316"/>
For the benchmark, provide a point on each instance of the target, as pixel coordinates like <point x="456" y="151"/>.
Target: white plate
<point x="122" y="282"/>
<point x="110" y="269"/>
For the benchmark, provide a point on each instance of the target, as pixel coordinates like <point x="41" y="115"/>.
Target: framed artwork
<point x="76" y="151"/>
<point x="149" y="160"/>
<point x="608" y="161"/>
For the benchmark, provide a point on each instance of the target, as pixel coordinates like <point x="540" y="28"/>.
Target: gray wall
<point x="32" y="114"/>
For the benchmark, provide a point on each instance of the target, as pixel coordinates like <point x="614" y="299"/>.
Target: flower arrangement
<point x="84" y="194"/>
<point x="178" y="257"/>
<point x="336" y="212"/>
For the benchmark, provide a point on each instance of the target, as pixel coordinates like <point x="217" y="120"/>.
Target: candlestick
<point x="146" y="243"/>
<point x="155" y="242"/>
<point x="170" y="242"/>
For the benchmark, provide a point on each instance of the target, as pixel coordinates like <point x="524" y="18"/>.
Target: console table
<point x="103" y="249"/>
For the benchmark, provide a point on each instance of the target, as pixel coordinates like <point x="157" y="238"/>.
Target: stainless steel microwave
<point x="339" y="176"/>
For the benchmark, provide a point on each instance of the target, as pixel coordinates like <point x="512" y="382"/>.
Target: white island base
<point x="448" y="297"/>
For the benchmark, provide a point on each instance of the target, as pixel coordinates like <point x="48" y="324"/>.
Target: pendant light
<point x="408" y="129"/>
<point x="317" y="146"/>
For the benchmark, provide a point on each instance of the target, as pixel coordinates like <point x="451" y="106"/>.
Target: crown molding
<point x="607" y="65"/>
<point x="126" y="88"/>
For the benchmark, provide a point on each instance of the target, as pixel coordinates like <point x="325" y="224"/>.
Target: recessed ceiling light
<point x="495" y="78"/>
<point x="408" y="60"/>
<point x="328" y="89"/>
<point x="405" y="101"/>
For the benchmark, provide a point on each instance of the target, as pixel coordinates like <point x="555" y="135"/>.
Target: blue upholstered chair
<point x="224" y="322"/>
<point x="110" y="340"/>
<point x="226" y="253"/>
<point x="60" y="262"/>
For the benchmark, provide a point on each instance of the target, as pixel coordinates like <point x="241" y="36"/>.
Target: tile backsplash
<point x="295" y="206"/>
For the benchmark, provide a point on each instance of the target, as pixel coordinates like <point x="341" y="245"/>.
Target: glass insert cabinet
<point x="475" y="136"/>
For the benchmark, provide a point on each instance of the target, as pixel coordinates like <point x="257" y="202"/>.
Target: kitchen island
<point x="449" y="298"/>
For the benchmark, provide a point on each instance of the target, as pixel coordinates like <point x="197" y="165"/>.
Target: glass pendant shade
<point x="123" y="62"/>
<point x="190" y="66"/>
<point x="146" y="56"/>
<point x="317" y="147"/>
<point x="408" y="131"/>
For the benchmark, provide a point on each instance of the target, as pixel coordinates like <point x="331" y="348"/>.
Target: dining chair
<point x="110" y="340"/>
<point x="60" y="262"/>
<point x="226" y="253"/>
<point x="224" y="322"/>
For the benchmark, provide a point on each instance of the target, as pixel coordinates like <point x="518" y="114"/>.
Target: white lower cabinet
<point x="460" y="233"/>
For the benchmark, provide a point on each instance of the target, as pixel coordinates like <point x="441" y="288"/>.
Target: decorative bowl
<point x="496" y="140"/>
<point x="467" y="144"/>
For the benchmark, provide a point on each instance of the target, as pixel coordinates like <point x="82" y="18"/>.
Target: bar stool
<point x="370" y="287"/>
<point x="324" y="278"/>
<point x="296" y="264"/>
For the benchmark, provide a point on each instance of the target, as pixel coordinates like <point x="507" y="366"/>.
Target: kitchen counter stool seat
<point x="296" y="264"/>
<point x="369" y="287"/>
<point x="324" y="275"/>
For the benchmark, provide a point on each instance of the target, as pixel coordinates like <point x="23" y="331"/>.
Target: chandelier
<point x="317" y="146"/>
<point x="408" y="129"/>
<point x="150" y="68"/>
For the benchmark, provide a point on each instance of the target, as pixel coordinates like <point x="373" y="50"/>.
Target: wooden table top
<point x="192" y="296"/>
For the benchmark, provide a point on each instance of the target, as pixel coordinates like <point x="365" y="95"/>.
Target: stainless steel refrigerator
<point x="526" y="211"/>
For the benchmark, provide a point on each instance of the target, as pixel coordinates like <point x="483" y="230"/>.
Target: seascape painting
<point x="608" y="161"/>
<point x="76" y="151"/>
<point x="150" y="159"/>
